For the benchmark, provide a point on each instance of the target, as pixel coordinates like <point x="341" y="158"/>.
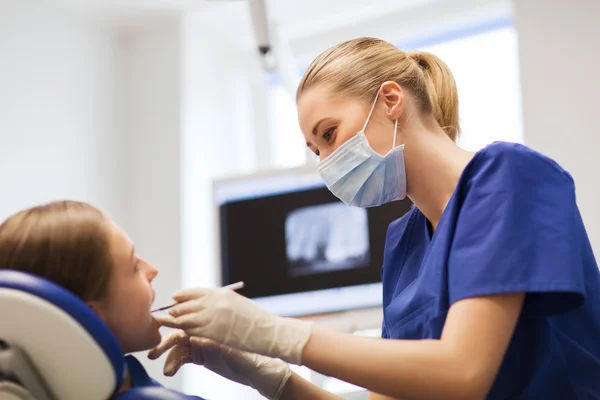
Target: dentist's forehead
<point x="319" y="103"/>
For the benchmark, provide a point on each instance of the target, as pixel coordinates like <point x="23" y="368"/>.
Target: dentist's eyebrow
<point x="316" y="127"/>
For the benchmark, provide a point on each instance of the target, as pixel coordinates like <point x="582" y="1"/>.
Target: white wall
<point x="88" y="115"/>
<point x="559" y="45"/>
<point x="188" y="117"/>
<point x="221" y="119"/>
<point x="414" y="20"/>
<point x="150" y="142"/>
<point x="58" y="121"/>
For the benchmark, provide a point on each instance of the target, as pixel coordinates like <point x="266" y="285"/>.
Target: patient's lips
<point x="233" y="286"/>
<point x="156" y="321"/>
<point x="164" y="308"/>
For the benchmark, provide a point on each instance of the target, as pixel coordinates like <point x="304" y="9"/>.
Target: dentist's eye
<point x="328" y="134"/>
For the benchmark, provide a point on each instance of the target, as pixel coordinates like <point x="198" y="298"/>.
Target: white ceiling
<point x="131" y="13"/>
<point x="298" y="16"/>
<point x="306" y="25"/>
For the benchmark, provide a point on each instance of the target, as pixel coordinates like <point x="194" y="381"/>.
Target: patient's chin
<point x="141" y="340"/>
<point x="156" y="336"/>
<point x="152" y="336"/>
<point x="143" y="344"/>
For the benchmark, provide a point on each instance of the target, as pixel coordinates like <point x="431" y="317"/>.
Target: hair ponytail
<point x="441" y="90"/>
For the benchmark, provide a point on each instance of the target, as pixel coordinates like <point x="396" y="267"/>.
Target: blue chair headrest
<point x="72" y="349"/>
<point x="154" y="393"/>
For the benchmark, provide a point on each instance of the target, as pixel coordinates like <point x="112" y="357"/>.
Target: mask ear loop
<point x="370" y="112"/>
<point x="369" y="118"/>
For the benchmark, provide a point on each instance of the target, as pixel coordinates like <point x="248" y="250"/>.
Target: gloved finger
<point x="195" y="321"/>
<point x="178" y="356"/>
<point x="191" y="294"/>
<point x="213" y="352"/>
<point x="184" y="360"/>
<point x="203" y="342"/>
<point x="178" y="337"/>
<point x="206" y="345"/>
<point x="186" y="307"/>
<point x="166" y="320"/>
<point x="171" y="368"/>
<point x="203" y="349"/>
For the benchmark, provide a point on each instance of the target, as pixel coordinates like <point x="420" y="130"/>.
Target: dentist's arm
<point x="375" y="396"/>
<point x="462" y="364"/>
<point x="297" y="388"/>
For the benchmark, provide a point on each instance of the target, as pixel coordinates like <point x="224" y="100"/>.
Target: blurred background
<point x="178" y="118"/>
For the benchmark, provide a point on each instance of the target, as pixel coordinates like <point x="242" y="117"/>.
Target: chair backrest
<point x="51" y="334"/>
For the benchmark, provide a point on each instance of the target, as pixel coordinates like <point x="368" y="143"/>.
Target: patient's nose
<point x="151" y="270"/>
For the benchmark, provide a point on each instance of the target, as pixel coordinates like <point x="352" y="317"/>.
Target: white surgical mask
<point x="359" y="176"/>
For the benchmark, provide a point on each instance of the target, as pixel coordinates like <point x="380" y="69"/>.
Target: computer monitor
<point x="298" y="249"/>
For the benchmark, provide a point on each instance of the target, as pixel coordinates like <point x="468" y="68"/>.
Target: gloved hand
<point x="267" y="375"/>
<point x="236" y="321"/>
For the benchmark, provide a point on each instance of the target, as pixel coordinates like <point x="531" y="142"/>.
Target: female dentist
<point x="490" y="286"/>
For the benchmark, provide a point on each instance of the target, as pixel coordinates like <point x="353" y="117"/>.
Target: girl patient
<point x="81" y="249"/>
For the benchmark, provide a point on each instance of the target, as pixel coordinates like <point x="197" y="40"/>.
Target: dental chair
<point x="53" y="347"/>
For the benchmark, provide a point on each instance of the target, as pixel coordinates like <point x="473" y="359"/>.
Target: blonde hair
<point x="358" y="68"/>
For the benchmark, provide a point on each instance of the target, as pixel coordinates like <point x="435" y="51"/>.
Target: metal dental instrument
<point x="233" y="286"/>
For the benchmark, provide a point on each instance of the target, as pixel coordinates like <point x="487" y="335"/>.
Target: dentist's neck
<point x="434" y="165"/>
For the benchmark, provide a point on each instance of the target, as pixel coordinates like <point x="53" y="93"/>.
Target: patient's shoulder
<point x="143" y="384"/>
<point x="137" y="373"/>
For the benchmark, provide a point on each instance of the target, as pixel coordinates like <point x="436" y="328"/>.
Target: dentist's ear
<point x="394" y="98"/>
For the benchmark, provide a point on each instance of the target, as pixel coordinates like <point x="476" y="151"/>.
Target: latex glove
<point x="236" y="321"/>
<point x="267" y="375"/>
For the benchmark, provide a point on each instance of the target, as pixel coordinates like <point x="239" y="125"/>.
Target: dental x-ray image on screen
<point x="325" y="238"/>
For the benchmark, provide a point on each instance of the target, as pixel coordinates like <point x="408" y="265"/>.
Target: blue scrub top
<point x="140" y="378"/>
<point x="512" y="225"/>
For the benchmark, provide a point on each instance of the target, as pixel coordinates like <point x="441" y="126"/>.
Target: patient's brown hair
<point x="66" y="242"/>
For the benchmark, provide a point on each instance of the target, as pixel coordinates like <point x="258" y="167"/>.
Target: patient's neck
<point x="126" y="383"/>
